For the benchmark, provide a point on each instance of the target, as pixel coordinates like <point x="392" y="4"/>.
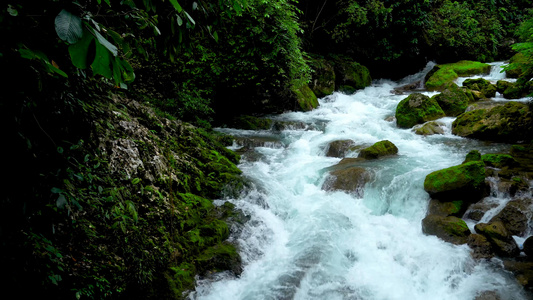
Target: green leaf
<point x="215" y="36"/>
<point x="102" y="40"/>
<point x="179" y="20"/>
<point x="176" y="5"/>
<point x="127" y="71"/>
<point x="79" y="51"/>
<point x="117" y="74"/>
<point x="13" y="12"/>
<point x="190" y="18"/>
<point x="68" y="27"/>
<point x="102" y="61"/>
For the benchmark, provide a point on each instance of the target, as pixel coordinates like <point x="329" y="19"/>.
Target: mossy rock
<point x="462" y="182"/>
<point x="323" y="78"/>
<point x="501" y="240"/>
<point x="510" y="123"/>
<point x="484" y="86"/>
<point x="223" y="256"/>
<point x="442" y="75"/>
<point x="481" y="247"/>
<point x="518" y="90"/>
<point x="350" y="179"/>
<point x="446" y="208"/>
<point x="498" y="160"/>
<point x="449" y="229"/>
<point x="452" y="100"/>
<point x="305" y="98"/>
<point x="502" y="85"/>
<point x="518" y="59"/>
<point x="349" y="73"/>
<point x="417" y="109"/>
<point x="473" y="155"/>
<point x="429" y="128"/>
<point x="379" y="149"/>
<point x="251" y="123"/>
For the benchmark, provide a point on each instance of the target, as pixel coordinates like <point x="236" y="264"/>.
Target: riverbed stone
<point x="510" y="123"/>
<point x="477" y="210"/>
<point x="500" y="238"/>
<point x="429" y="128"/>
<point x="379" y="149"/>
<point x="488" y="295"/>
<point x="480" y="246"/>
<point x="481" y="85"/>
<point x="449" y="229"/>
<point x="515" y="216"/>
<point x="452" y="100"/>
<point x="462" y="182"/>
<point x="528" y="247"/>
<point x="446" y="208"/>
<point x="522" y="270"/>
<point x="417" y="109"/>
<point x="339" y="148"/>
<point x="351" y="180"/>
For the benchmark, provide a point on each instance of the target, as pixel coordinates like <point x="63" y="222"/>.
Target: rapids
<point x="305" y="243"/>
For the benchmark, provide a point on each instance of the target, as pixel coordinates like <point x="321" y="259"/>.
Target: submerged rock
<point x="462" y="182"/>
<point x="449" y="229"/>
<point x="499" y="237"/>
<point x="351" y="180"/>
<point x="452" y="100"/>
<point x="379" y="149"/>
<point x="417" y="109"/>
<point x="511" y="122"/>
<point x="339" y="148"/>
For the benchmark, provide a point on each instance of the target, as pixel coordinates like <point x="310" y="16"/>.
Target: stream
<point x="302" y="242"/>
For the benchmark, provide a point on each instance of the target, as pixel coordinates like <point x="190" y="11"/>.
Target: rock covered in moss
<point x="511" y="122"/>
<point x="522" y="270"/>
<point x="306" y="100"/>
<point x="350" y="75"/>
<point x="518" y="59"/>
<point x="417" y="109"/>
<point x="247" y="122"/>
<point x="502" y="85"/>
<point x="481" y="85"/>
<point x="452" y="100"/>
<point x="429" y="128"/>
<point x="465" y="181"/>
<point x="501" y="240"/>
<point x="323" y="78"/>
<point x="379" y="149"/>
<point x="339" y="148"/>
<point x="446" y="208"/>
<point x="473" y="155"/>
<point x="442" y="75"/>
<point x="450" y="229"/>
<point x="498" y="160"/>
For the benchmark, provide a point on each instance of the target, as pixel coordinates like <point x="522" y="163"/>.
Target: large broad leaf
<point x="79" y="52"/>
<point x="101" y="40"/>
<point x="176" y="5"/>
<point x="102" y="62"/>
<point x="68" y="27"/>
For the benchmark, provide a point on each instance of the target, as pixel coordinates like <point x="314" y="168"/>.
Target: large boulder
<point x="449" y="229"/>
<point x="522" y="270"/>
<point x="323" y="78"/>
<point x="305" y="98"/>
<point x="518" y="59"/>
<point x="462" y="182"/>
<point x="417" y="109"/>
<point x="446" y="208"/>
<point x="339" y="148"/>
<point x="498" y="160"/>
<point x="452" y="100"/>
<point x="473" y="155"/>
<point x="379" y="149"/>
<point x="511" y="123"/>
<point x="442" y="75"/>
<point x="350" y="75"/>
<point x="499" y="237"/>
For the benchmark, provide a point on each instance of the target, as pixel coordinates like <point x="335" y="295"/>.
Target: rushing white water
<point x="305" y="243"/>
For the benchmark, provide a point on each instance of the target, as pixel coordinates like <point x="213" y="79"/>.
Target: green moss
<point x="220" y="257"/>
<point x="379" y="149"/>
<point x="323" y="77"/>
<point x="498" y="160"/>
<point x="417" y="109"/>
<point x="447" y="73"/>
<point x="473" y="155"/>
<point x="251" y="123"/>
<point x="349" y="73"/>
<point x="452" y="100"/>
<point x="462" y="180"/>
<point x="305" y="98"/>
